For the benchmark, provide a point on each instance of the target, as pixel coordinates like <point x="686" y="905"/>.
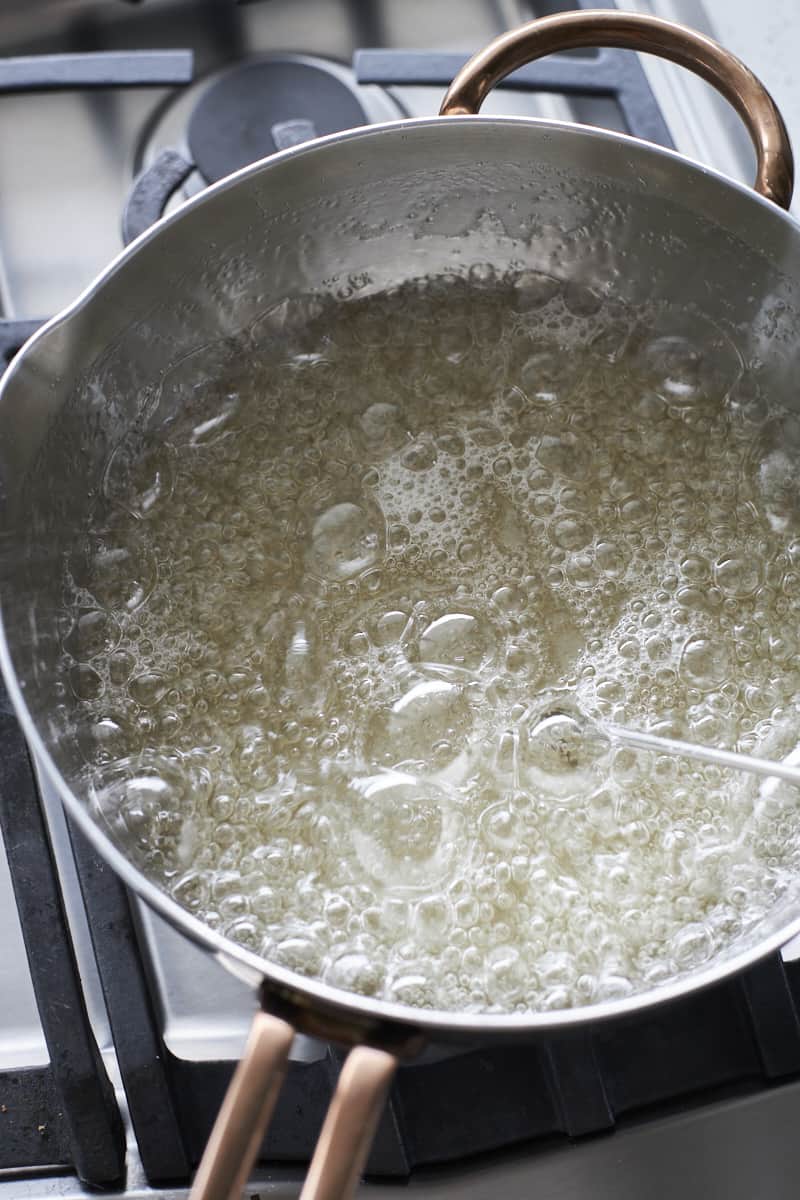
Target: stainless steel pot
<point x="385" y="202"/>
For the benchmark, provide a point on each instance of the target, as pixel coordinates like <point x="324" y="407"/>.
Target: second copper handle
<point x="350" y="1125"/>
<point x="635" y="31"/>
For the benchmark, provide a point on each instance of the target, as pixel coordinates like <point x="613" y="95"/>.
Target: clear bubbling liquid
<point x="337" y="627"/>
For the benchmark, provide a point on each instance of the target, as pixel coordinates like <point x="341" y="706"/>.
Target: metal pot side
<point x="389" y="202"/>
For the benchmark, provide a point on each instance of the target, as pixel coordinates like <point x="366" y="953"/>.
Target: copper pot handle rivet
<point x="635" y="31"/>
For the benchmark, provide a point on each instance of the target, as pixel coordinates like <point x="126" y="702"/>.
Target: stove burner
<point x="268" y="105"/>
<point x="240" y="115"/>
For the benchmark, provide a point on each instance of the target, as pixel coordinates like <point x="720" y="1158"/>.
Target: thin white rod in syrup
<point x="707" y="754"/>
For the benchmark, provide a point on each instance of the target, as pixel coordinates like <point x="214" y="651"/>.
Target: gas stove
<point x="117" y="1036"/>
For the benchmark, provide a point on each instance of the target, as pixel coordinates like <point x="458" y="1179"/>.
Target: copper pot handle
<point x="350" y="1125"/>
<point x="239" y="1129"/>
<point x="249" y="1101"/>
<point x="634" y="31"/>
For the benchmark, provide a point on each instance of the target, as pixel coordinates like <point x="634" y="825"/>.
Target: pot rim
<point x="238" y="958"/>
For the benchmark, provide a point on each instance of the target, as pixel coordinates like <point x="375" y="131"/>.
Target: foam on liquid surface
<point x="336" y="629"/>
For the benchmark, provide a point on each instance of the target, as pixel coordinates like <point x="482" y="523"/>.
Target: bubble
<point x="651" y="407"/>
<point x="106" y="739"/>
<point x="399" y="536"/>
<point x="499" y="826"/>
<point x="457" y="639"/>
<point x="571" y="533"/>
<point x="382" y="427"/>
<point x="414" y="990"/>
<point x="677" y="365"/>
<point x="613" y="987"/>
<point x="581" y="300"/>
<point x="543" y="375"/>
<point x="431" y="711"/>
<point x="399" y="831"/>
<point x="564" y="454"/>
<point x="420" y="456"/>
<point x="778" y="491"/>
<point x="695" y="568"/>
<point x="453" y="342"/>
<point x="451" y="442"/>
<point x="390" y="627"/>
<point x="191" y="890"/>
<point x="431" y="920"/>
<point x="692" y="597"/>
<point x="560" y="753"/>
<point x="543" y="505"/>
<point x="690" y="363"/>
<point x="119" y="573"/>
<point x="566" y="640"/>
<point x="692" y="946"/>
<point x="609" y="558"/>
<point x="635" y="512"/>
<point x="509" y="974"/>
<point x="300" y="954"/>
<point x="582" y="571"/>
<point x="704" y="661"/>
<point x="354" y="973"/>
<point x="85" y="682"/>
<point x="509" y="598"/>
<point x="121" y="665"/>
<point x="139" y="476"/>
<point x="93" y="633"/>
<point x="133" y="796"/>
<point x="196" y="399"/>
<point x="148" y="688"/>
<point x="346" y="540"/>
<point x="484" y="433"/>
<point x="737" y="576"/>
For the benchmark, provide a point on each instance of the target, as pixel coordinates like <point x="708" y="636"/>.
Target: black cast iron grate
<point x="64" y="1113"/>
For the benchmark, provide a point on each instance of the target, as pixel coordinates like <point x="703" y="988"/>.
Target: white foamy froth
<point x="344" y="634"/>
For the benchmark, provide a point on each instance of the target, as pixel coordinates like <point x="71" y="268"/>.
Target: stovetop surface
<point x="735" y="1150"/>
<point x="61" y="198"/>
